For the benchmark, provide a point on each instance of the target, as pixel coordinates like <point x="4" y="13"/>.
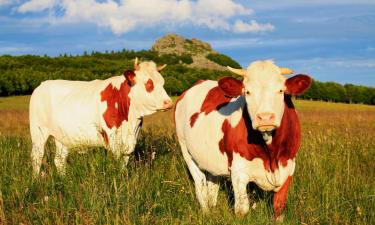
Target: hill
<point x="202" y="54"/>
<point x="188" y="60"/>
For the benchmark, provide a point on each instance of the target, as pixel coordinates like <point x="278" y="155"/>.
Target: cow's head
<point x="264" y="87"/>
<point x="147" y="87"/>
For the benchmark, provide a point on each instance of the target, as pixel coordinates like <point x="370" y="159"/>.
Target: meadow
<point x="334" y="182"/>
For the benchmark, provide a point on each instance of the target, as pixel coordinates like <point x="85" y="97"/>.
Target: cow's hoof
<point x="254" y="206"/>
<point x="280" y="219"/>
<point x="205" y="209"/>
<point x="42" y="174"/>
<point x="240" y="213"/>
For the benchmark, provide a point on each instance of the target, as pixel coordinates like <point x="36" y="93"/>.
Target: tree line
<point x="20" y="75"/>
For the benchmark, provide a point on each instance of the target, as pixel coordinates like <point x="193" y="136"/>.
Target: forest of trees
<point x="19" y="75"/>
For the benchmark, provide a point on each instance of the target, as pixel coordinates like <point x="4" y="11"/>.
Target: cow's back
<point x="68" y="109"/>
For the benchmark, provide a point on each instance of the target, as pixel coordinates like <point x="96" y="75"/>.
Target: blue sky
<point x="332" y="40"/>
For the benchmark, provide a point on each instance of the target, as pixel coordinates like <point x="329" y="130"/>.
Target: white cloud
<point x="126" y="15"/>
<point x="36" y="5"/>
<point x="253" y="26"/>
<point x="5" y="2"/>
<point x="15" y="50"/>
<point x="223" y="8"/>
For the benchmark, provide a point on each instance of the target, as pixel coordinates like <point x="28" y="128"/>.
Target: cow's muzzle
<point x="167" y="105"/>
<point x="265" y="121"/>
<point x="265" y="128"/>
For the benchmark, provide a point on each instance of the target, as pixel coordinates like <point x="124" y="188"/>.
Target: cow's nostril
<point x="266" y="117"/>
<point x="168" y="103"/>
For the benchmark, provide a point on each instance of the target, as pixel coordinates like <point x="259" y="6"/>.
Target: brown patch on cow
<point x="105" y="136"/>
<point x="118" y="103"/>
<point x="279" y="198"/>
<point x="149" y="85"/>
<point x="215" y="99"/>
<point x="247" y="142"/>
<point x="287" y="138"/>
<point x="193" y="118"/>
<point x="183" y="95"/>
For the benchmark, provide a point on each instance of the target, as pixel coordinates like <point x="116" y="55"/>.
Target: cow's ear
<point x="298" y="84"/>
<point x="231" y="87"/>
<point x="130" y="77"/>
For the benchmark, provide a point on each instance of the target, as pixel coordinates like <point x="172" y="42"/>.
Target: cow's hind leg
<point x="212" y="189"/>
<point x="39" y="136"/>
<point x="60" y="157"/>
<point x="199" y="178"/>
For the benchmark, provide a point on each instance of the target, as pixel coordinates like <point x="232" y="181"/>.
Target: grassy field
<point x="334" y="182"/>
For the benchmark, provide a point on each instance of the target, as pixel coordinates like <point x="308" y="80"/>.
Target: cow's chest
<point x="255" y="171"/>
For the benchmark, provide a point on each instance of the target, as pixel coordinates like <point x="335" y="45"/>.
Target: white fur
<point x="264" y="81"/>
<point x="72" y="112"/>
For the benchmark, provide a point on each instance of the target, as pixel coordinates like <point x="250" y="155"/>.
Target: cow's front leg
<point x="279" y="200"/>
<point x="119" y="154"/>
<point x="122" y="152"/>
<point x="212" y="189"/>
<point x="241" y="200"/>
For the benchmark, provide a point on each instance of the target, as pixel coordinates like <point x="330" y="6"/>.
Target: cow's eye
<point x="281" y="91"/>
<point x="248" y="92"/>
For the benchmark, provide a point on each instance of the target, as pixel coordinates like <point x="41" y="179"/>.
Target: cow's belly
<point x="75" y="121"/>
<point x="77" y="136"/>
<point x="266" y="180"/>
<point x="76" y="130"/>
<point x="203" y="146"/>
<point x="210" y="159"/>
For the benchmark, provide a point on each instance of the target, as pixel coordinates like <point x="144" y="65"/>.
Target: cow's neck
<point x="287" y="138"/>
<point x="239" y="136"/>
<point x="135" y="114"/>
<point x="139" y="111"/>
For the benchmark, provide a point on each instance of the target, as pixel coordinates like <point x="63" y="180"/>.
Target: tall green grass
<point x="333" y="184"/>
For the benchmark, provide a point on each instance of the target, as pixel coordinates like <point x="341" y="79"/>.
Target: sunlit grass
<point x="333" y="183"/>
<point x="15" y="102"/>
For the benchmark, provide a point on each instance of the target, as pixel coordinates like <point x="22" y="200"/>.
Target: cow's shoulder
<point x="198" y="89"/>
<point x="214" y="100"/>
<point x="115" y="95"/>
<point x="190" y="101"/>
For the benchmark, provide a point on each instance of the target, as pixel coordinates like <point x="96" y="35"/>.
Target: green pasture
<point x="334" y="182"/>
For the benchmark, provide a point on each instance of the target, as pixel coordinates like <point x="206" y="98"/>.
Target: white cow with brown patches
<point x="95" y="113"/>
<point x="246" y="130"/>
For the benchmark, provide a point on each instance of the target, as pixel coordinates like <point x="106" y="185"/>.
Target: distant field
<point x="333" y="183"/>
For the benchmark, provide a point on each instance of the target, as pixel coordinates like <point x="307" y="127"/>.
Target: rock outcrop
<point x="197" y="49"/>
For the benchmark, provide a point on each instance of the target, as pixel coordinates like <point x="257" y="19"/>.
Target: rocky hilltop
<point x="201" y="52"/>
<point x="176" y="44"/>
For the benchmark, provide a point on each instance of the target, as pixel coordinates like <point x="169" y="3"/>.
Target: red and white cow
<point x="248" y="130"/>
<point x="95" y="113"/>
